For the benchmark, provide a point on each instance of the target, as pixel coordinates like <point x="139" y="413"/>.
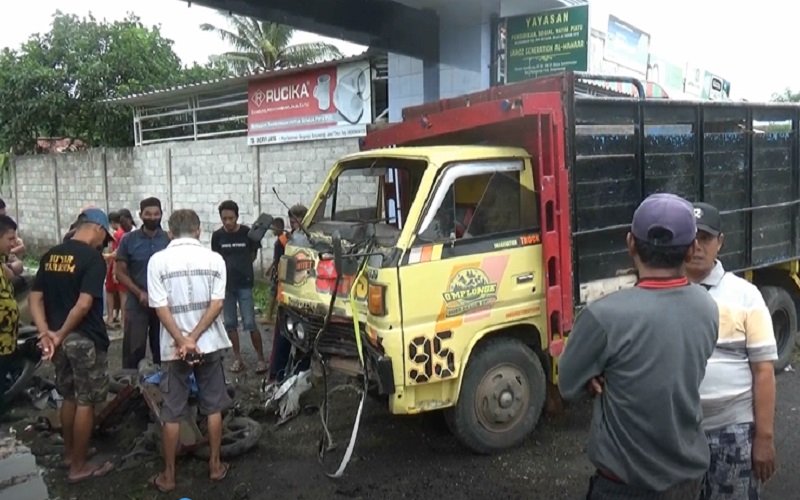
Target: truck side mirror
<point x="337" y="252"/>
<point x="260" y="227"/>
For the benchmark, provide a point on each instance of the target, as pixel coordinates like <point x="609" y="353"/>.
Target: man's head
<point x="229" y="214"/>
<point x="663" y="232"/>
<point x="8" y="234"/>
<point x="126" y="219"/>
<point x="93" y="228"/>
<point x="150" y="212"/>
<point x="184" y="223"/>
<point x="277" y="226"/>
<point x="2" y="207"/>
<point x="709" y="241"/>
<point x="114" y="220"/>
<point x="296" y="215"/>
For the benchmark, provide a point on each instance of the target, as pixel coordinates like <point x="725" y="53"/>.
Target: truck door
<point x="475" y="262"/>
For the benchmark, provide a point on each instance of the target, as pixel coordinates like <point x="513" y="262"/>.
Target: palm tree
<point x="263" y="46"/>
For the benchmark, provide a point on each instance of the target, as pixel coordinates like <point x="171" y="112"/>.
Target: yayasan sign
<point x="324" y="103"/>
<point x="547" y="42"/>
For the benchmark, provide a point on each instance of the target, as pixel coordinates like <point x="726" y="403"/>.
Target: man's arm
<point x="764" y="415"/>
<point x="15" y="265"/>
<point x="217" y="299"/>
<point x="584" y="357"/>
<point x="158" y="298"/>
<point x="121" y="271"/>
<point x="762" y="351"/>
<point x="209" y="316"/>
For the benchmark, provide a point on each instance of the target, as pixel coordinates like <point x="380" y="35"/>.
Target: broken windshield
<point x="373" y="190"/>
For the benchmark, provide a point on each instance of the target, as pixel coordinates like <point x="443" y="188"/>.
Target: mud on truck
<point x="446" y="261"/>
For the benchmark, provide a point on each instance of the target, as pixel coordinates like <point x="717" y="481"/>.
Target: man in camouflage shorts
<point x="66" y="304"/>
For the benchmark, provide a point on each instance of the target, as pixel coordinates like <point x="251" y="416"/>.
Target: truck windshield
<point x="372" y="190"/>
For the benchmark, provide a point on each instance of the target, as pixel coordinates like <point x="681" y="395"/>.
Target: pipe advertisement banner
<point x="546" y="42"/>
<point x="324" y="103"/>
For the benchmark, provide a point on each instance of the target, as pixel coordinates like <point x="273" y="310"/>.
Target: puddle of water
<point x="20" y="477"/>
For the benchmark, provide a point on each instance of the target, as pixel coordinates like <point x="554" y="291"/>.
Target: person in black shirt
<point x="239" y="252"/>
<point x="66" y="303"/>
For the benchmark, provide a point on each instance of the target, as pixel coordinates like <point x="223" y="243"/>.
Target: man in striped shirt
<point x="738" y="391"/>
<point x="186" y="287"/>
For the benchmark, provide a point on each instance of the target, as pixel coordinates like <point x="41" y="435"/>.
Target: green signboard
<point x="546" y="42"/>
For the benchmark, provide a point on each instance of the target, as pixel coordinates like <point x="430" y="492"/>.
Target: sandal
<point x="98" y="471"/>
<point x="261" y="367"/>
<point x="225" y="468"/>
<point x="237" y="366"/>
<point x="153" y="483"/>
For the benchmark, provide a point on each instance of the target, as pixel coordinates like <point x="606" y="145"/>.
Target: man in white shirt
<point x="738" y="391"/>
<point x="186" y="287"/>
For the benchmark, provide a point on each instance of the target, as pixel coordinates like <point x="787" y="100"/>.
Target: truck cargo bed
<point x="740" y="157"/>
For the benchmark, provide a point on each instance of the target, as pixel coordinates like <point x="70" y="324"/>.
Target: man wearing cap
<point x="66" y="303"/>
<point x="134" y="253"/>
<point x="642" y="353"/>
<point x="738" y="391"/>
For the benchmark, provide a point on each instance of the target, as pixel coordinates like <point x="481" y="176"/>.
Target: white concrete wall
<point x="197" y="175"/>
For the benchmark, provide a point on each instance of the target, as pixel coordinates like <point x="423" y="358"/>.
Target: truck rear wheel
<point x="501" y="397"/>
<point x="784" y="322"/>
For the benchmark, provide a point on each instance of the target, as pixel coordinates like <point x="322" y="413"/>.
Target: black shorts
<point x="174" y="385"/>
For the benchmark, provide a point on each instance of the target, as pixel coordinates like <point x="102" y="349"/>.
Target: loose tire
<point x="239" y="435"/>
<point x="501" y="397"/>
<point x="784" y="322"/>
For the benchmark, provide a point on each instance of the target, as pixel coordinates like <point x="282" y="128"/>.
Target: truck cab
<point x="446" y="261"/>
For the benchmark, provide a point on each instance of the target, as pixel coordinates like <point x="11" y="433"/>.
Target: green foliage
<point x="54" y="84"/>
<point x="263" y="46"/>
<point x="262" y="296"/>
<point x="786" y="96"/>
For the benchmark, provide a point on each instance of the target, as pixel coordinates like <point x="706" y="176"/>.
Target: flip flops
<point x="261" y="367"/>
<point x="225" y="468"/>
<point x="99" y="471"/>
<point x="237" y="366"/>
<point x="153" y="483"/>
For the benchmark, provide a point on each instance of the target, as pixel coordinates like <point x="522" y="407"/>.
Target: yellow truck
<point x="445" y="262"/>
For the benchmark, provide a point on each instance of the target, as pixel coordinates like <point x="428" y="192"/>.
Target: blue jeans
<point x="243" y="297"/>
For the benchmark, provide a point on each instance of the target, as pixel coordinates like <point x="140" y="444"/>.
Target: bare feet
<point x="89" y="471"/>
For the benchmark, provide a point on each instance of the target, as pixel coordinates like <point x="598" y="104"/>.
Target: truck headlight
<point x="290" y="324"/>
<point x="301" y="332"/>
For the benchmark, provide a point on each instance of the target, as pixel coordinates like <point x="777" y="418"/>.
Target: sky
<point x="751" y="44"/>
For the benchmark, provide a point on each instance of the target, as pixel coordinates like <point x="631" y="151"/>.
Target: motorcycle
<point x="21" y="366"/>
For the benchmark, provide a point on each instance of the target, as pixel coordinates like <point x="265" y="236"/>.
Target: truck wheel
<point x="501" y="397"/>
<point x="784" y="322"/>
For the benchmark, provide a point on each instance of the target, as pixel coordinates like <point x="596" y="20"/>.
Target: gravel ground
<point x="396" y="457"/>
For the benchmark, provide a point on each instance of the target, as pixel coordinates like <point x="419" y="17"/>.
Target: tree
<point x="55" y="84"/>
<point x="263" y="46"/>
<point x="786" y="96"/>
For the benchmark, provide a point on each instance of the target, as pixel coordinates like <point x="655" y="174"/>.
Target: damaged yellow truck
<point x="448" y="258"/>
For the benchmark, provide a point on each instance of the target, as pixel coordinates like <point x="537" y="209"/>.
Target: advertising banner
<point x="324" y="103"/>
<point x="627" y="45"/>
<point x="546" y="42"/>
<point x="665" y="73"/>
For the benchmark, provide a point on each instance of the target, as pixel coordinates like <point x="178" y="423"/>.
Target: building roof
<point x="228" y="85"/>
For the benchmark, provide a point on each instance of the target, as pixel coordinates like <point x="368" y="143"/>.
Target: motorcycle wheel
<point x="20" y="376"/>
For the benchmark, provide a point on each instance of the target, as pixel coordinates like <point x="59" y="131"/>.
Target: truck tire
<point x="784" y="322"/>
<point x="501" y="397"/>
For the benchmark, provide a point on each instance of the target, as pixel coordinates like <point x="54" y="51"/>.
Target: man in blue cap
<point x="642" y="354"/>
<point x="66" y="303"/>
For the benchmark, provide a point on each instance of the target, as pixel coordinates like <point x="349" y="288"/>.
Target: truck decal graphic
<point x="469" y="289"/>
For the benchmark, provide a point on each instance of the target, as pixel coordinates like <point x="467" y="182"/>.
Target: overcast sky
<point x="751" y="44"/>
